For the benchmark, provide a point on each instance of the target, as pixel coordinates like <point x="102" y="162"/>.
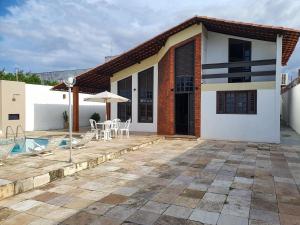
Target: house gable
<point x="172" y="41"/>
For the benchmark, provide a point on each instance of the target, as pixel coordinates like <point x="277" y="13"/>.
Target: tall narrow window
<point x="239" y="50"/>
<point x="236" y="102"/>
<point x="125" y="90"/>
<point x="145" y="96"/>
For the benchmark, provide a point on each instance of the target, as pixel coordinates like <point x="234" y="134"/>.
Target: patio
<point x="22" y="173"/>
<point x="173" y="182"/>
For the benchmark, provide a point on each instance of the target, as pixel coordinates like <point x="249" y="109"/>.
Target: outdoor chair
<point x="53" y="143"/>
<point x="115" y="126"/>
<point x="125" y="129"/>
<point x="106" y="132"/>
<point x="5" y="150"/>
<point x="94" y="127"/>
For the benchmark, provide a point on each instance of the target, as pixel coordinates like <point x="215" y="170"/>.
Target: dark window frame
<point x="14" y="116"/>
<point x="222" y="106"/>
<point x="146" y="102"/>
<point x="125" y="107"/>
<point x="232" y="41"/>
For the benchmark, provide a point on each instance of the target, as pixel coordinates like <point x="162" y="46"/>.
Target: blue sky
<point x="5" y="4"/>
<point x="46" y="35"/>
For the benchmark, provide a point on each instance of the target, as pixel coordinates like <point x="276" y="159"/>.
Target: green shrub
<point x="96" y="117"/>
<point x="65" y="116"/>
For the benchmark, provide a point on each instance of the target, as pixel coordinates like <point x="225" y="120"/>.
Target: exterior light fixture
<point x="14" y="97"/>
<point x="70" y="82"/>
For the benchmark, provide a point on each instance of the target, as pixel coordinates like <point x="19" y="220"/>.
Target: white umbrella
<point x="106" y="97"/>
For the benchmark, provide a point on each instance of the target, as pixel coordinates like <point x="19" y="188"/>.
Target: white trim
<point x="278" y="85"/>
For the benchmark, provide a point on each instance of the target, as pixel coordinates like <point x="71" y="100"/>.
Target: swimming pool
<point x="24" y="145"/>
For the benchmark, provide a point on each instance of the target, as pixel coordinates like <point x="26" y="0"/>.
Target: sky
<point x="49" y="35"/>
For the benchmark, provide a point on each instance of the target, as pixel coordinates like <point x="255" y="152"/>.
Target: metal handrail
<point x="12" y="131"/>
<point x="22" y="130"/>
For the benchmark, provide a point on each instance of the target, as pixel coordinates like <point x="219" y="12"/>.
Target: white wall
<point x="44" y="108"/>
<point x="291" y="108"/>
<point x="259" y="128"/>
<point x="216" y="51"/>
<point x="135" y="125"/>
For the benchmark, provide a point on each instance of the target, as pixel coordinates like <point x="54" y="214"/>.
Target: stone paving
<point x="21" y="173"/>
<point x="177" y="182"/>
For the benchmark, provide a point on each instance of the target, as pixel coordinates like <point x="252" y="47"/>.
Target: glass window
<point x="145" y="96"/>
<point x="236" y="102"/>
<point x="239" y="50"/>
<point x="125" y="90"/>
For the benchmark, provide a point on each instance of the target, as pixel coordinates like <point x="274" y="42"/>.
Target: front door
<point x="184" y="89"/>
<point x="184" y="113"/>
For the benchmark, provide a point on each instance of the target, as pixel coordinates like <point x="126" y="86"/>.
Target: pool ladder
<point x="9" y="128"/>
<point x="19" y="131"/>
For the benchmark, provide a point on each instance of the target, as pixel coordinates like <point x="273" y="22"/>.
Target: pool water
<point x="24" y="145"/>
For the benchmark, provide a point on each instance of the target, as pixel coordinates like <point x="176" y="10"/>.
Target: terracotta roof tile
<point x="97" y="79"/>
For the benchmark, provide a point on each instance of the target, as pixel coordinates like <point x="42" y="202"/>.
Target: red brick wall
<point x="197" y="85"/>
<point x="165" y="109"/>
<point x="166" y="97"/>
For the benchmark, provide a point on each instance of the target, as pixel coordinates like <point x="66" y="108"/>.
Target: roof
<point x="98" y="78"/>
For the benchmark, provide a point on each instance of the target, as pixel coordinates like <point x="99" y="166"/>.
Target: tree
<point x="28" y="78"/>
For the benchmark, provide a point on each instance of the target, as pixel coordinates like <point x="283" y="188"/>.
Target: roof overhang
<point x="98" y="78"/>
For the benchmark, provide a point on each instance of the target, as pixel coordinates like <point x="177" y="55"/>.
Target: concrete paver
<point x="172" y="182"/>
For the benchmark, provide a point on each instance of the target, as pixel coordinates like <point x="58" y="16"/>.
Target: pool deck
<point x="22" y="173"/>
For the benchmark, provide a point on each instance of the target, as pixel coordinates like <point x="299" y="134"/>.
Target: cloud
<point x="45" y="35"/>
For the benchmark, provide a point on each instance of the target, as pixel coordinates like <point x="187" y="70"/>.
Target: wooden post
<point x="75" y="108"/>
<point x="108" y="111"/>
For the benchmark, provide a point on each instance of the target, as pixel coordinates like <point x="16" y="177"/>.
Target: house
<point x="206" y="77"/>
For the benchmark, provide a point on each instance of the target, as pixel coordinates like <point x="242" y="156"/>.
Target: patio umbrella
<point x="106" y="97"/>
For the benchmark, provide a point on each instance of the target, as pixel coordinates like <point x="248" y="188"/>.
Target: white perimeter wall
<point x="44" y="108"/>
<point x="291" y="108"/>
<point x="135" y="125"/>
<point x="258" y="128"/>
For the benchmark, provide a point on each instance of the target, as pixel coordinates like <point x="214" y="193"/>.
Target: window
<point x="236" y="102"/>
<point x="239" y="50"/>
<point x="184" y="68"/>
<point x="125" y="90"/>
<point x="13" y="116"/>
<point x="145" y="96"/>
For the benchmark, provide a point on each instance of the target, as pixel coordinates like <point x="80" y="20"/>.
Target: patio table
<point x="102" y="124"/>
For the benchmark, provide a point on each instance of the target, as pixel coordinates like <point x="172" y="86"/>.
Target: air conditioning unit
<point x="284" y="79"/>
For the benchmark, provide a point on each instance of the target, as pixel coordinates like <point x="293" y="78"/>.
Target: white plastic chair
<point x="125" y="128"/>
<point x="94" y="128"/>
<point x="106" y="132"/>
<point x="115" y="126"/>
